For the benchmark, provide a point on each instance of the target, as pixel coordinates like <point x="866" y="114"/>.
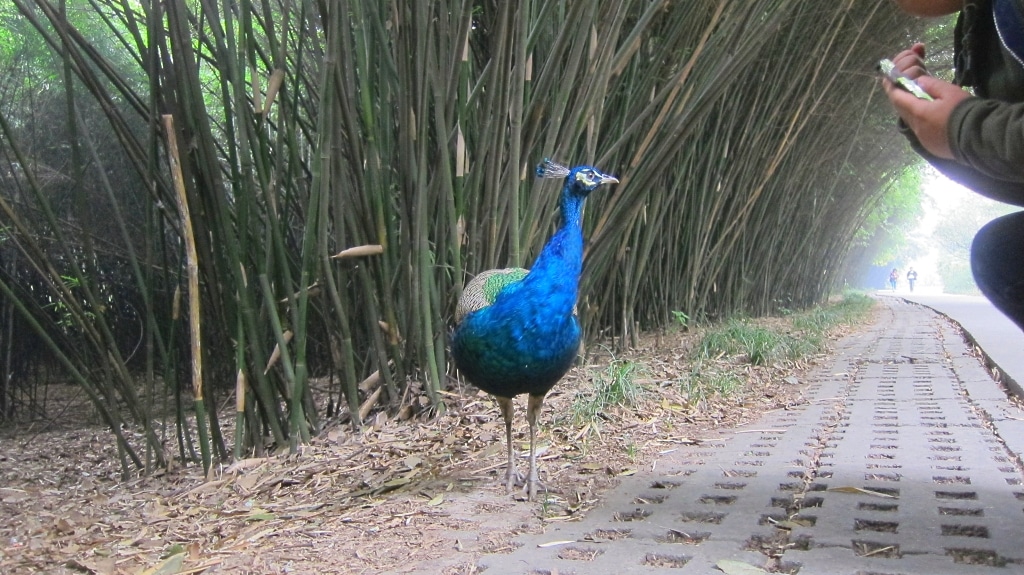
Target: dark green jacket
<point x="986" y="133"/>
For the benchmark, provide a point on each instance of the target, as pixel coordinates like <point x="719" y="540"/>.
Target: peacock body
<point x="516" y="330"/>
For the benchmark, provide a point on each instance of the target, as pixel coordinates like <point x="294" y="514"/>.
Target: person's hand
<point x="910" y="62"/>
<point x="927" y="119"/>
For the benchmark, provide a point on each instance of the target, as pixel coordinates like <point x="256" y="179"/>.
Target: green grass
<point x="763" y="345"/>
<point x="615" y="386"/>
<point x="705" y="381"/>
<point x="851" y="309"/>
<point x="681" y="318"/>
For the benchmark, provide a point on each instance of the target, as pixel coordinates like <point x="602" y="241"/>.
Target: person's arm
<point x="988" y="135"/>
<point x="930" y="8"/>
<point x="976" y="142"/>
<point x="1009" y="190"/>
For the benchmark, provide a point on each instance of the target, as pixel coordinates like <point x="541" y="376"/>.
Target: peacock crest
<point x="551" y="169"/>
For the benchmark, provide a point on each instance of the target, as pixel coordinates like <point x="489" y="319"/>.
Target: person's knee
<point x="997" y="266"/>
<point x="997" y="248"/>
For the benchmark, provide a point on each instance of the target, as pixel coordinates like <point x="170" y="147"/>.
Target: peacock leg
<point x="512" y="476"/>
<point x="532" y="411"/>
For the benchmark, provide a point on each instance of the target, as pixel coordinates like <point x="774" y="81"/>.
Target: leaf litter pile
<point x="419" y="495"/>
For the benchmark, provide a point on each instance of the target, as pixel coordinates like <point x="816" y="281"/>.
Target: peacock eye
<point x="586" y="177"/>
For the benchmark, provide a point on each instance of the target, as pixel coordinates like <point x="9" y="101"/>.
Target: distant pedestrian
<point x="911" y="278"/>
<point x="894" y="275"/>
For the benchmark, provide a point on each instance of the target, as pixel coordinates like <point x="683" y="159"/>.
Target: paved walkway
<point x="897" y="464"/>
<point x="1000" y="339"/>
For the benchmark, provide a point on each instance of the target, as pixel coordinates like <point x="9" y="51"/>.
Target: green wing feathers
<point x="481" y="291"/>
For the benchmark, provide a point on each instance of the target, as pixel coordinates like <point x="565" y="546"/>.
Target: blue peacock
<point x="516" y="330"/>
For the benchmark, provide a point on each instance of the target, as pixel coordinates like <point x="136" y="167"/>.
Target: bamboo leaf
<point x="359" y="251"/>
<point x="733" y="567"/>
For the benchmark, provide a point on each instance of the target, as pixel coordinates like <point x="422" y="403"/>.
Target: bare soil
<point x="423" y="495"/>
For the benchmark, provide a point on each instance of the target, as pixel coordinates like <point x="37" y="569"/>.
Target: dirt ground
<point x="417" y="496"/>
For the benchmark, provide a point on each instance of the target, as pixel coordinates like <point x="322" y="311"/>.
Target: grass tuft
<point x="705" y="381"/>
<point x="739" y="337"/>
<point x="764" y="345"/>
<point x="804" y="334"/>
<point x="616" y="386"/>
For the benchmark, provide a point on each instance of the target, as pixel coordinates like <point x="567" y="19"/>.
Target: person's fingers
<point x="903" y="101"/>
<point x="910" y="64"/>
<point x="941" y="89"/>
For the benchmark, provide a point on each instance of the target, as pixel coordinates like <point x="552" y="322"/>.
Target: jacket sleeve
<point x="987" y="140"/>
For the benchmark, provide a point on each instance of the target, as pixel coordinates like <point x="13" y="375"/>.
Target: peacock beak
<point x="606" y="179"/>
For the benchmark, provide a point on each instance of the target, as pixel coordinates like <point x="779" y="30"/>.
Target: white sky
<point x="942" y="196"/>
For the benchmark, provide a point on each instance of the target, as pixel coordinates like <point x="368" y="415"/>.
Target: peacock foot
<point x="513" y="478"/>
<point x="531" y="488"/>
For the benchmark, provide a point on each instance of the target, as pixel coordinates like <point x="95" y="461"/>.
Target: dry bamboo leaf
<point x="397" y="482"/>
<point x="371" y="382"/>
<point x="100" y="566"/>
<point x="257" y="95"/>
<point x="861" y="491"/>
<point x="394" y="338"/>
<point x="555" y="543"/>
<point x="364" y="409"/>
<point x="406" y="413"/>
<point x="260" y="515"/>
<point x="205" y="487"/>
<point x="176" y="303"/>
<point x="261" y="535"/>
<point x="312" y="291"/>
<point x="357" y="251"/>
<point x="276" y="79"/>
<point x="733" y="567"/>
<point x="437" y="500"/>
<point x="10" y="495"/>
<point x="247" y="482"/>
<point x="240" y="391"/>
<point x="276" y="354"/>
<point x="787" y="524"/>
<point x="200" y="568"/>
<point x="168" y="566"/>
<point x="461" y="155"/>
<point x="244" y="464"/>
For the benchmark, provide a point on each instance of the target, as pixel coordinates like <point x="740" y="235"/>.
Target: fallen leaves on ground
<point x="421" y="495"/>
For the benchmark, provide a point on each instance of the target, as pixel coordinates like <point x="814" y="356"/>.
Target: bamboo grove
<point x="208" y="203"/>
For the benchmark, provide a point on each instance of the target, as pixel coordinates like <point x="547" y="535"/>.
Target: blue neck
<point x="561" y="261"/>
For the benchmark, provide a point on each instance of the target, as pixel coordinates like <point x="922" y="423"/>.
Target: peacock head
<point x="579" y="181"/>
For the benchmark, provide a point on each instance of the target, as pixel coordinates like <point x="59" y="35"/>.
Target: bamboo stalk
<point x="194" y="317"/>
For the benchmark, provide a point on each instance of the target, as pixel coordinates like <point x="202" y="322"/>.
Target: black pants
<point x="997" y="260"/>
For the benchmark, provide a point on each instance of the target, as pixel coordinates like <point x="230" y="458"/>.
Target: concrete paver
<point x="1001" y="339"/>
<point x="1002" y="342"/>
<point x="894" y="465"/>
